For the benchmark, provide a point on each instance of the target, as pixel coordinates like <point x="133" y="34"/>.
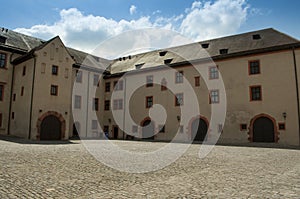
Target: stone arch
<point x="192" y="120"/>
<point x="55" y="114"/>
<point x="263" y="115"/>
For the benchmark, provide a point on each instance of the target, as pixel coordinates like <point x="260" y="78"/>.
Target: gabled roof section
<point x="236" y="45"/>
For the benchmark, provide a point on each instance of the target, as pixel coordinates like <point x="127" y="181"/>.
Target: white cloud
<point x="132" y="9"/>
<point x="200" y="21"/>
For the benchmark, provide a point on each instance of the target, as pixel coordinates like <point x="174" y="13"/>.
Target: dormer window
<point x="205" y="45"/>
<point x="223" y="51"/>
<point x="168" y="61"/>
<point x="139" y="66"/>
<point x="2" y="39"/>
<point x="162" y="53"/>
<point x="256" y="37"/>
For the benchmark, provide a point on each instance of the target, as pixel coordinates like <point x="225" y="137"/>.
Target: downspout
<point x="11" y="94"/>
<point x="31" y="101"/>
<point x="297" y="90"/>
<point x="87" y="104"/>
<point x="124" y="130"/>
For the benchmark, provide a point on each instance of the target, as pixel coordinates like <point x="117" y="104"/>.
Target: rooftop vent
<point x="2" y="39"/>
<point x="139" y="66"/>
<point x="168" y="61"/>
<point x="256" y="37"/>
<point x="124" y="58"/>
<point x="205" y="45"/>
<point x="129" y="56"/>
<point x="120" y="59"/>
<point x="162" y="53"/>
<point x="223" y="51"/>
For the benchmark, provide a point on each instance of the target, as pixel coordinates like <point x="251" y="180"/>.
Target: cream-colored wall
<point x="5" y="80"/>
<point x="53" y="53"/>
<point x="21" y="107"/>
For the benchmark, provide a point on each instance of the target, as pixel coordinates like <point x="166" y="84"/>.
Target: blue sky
<point x="82" y="23"/>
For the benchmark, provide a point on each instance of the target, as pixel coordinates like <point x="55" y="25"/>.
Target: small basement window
<point x="243" y="127"/>
<point x="281" y="126"/>
<point x="223" y="51"/>
<point x="256" y="37"/>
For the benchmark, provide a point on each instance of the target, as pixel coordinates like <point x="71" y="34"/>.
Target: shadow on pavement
<point x="25" y="141"/>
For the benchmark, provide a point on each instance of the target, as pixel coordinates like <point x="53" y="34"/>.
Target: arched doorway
<point x="148" y="130"/>
<point x="263" y="130"/>
<point x="50" y="128"/>
<point x="76" y="130"/>
<point x="199" y="128"/>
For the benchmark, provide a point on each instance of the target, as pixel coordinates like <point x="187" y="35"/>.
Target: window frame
<point x="95" y="104"/>
<point x="241" y="127"/>
<point x="179" y="77"/>
<point x="210" y="96"/>
<point x="107" y="105"/>
<point x="79" y="76"/>
<point x="149" y="81"/>
<point x="213" y="74"/>
<point x="2" y="92"/>
<point x="54" y="70"/>
<point x="147" y="104"/>
<point x="24" y="71"/>
<point x="251" y="94"/>
<point x="4" y="61"/>
<point x="55" y="87"/>
<point x="107" y="87"/>
<point x="77" y="102"/>
<point x="249" y="67"/>
<point x="96" y="80"/>
<point x="280" y="124"/>
<point x="197" y="81"/>
<point x="119" y="85"/>
<point x="118" y="104"/>
<point x="94" y="125"/>
<point x="177" y="103"/>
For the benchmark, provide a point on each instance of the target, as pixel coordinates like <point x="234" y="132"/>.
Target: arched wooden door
<point x="148" y="130"/>
<point x="263" y="130"/>
<point x="199" y="129"/>
<point x="50" y="128"/>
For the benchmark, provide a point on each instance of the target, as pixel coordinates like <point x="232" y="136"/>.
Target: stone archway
<point x="263" y="129"/>
<point x="198" y="128"/>
<point x="51" y="126"/>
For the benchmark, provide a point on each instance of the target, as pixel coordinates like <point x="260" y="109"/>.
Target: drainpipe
<point x="31" y="101"/>
<point x="124" y="109"/>
<point x="11" y="94"/>
<point x="297" y="90"/>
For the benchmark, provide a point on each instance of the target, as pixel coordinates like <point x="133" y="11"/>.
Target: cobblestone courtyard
<point x="67" y="170"/>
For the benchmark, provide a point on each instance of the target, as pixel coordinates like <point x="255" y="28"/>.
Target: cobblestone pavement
<point x="69" y="171"/>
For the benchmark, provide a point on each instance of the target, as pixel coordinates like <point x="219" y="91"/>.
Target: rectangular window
<point x="24" y="71"/>
<point x="161" y="128"/>
<point x="281" y="126"/>
<point x="54" y="70"/>
<point x="213" y="72"/>
<point x="94" y="124"/>
<point x="134" y="129"/>
<point x="13" y="115"/>
<point x="0" y="119"/>
<point x="1" y="92"/>
<point x="14" y="97"/>
<point x="105" y="129"/>
<point x="96" y="80"/>
<point x="118" y="104"/>
<point x="2" y="60"/>
<point x="179" y="99"/>
<point x="118" y="85"/>
<point x="243" y="127"/>
<point x="22" y="91"/>
<point x="255" y="93"/>
<point x="78" y="76"/>
<point x="106" y="105"/>
<point x="181" y="129"/>
<point x="54" y="90"/>
<point x="254" y="67"/>
<point x="77" y="102"/>
<point x="197" y="81"/>
<point x="96" y="104"/>
<point x="214" y="97"/>
<point x="149" y="101"/>
<point x="107" y="87"/>
<point x="179" y="77"/>
<point x="149" y="81"/>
